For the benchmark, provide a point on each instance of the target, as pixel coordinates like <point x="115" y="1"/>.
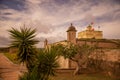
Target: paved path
<point x="8" y="70"/>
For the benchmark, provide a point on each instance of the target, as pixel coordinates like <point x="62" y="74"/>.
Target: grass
<point x="64" y="76"/>
<point x="12" y="57"/>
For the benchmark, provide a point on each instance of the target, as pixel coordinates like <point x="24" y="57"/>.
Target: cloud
<point x="4" y="41"/>
<point x="111" y="30"/>
<point x="51" y="18"/>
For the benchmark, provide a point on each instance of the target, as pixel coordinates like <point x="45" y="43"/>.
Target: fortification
<point x="90" y="37"/>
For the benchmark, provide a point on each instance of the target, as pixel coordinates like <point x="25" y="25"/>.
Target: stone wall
<point x="4" y="49"/>
<point x="98" y="43"/>
<point x="112" y="55"/>
<point x="107" y="60"/>
<point x="63" y="63"/>
<point x="104" y="60"/>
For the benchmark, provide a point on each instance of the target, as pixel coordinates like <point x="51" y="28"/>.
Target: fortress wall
<point x="112" y="55"/>
<point x="108" y="61"/>
<point x="98" y="44"/>
<point x="108" y="57"/>
<point x="63" y="63"/>
<point x="107" y="45"/>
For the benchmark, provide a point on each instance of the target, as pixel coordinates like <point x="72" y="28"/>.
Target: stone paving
<point x="8" y="70"/>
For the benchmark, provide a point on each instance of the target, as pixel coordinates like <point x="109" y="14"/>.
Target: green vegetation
<point x="12" y="57"/>
<point x="45" y="65"/>
<point x="40" y="64"/>
<point x="24" y="40"/>
<point x="76" y="53"/>
<point x="47" y="62"/>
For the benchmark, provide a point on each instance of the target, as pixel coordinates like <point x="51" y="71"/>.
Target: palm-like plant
<point x="45" y="65"/>
<point x="23" y="39"/>
<point x="47" y="62"/>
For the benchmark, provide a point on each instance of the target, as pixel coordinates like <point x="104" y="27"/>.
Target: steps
<point x="8" y="70"/>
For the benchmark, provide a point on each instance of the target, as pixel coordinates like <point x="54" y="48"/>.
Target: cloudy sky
<point x="52" y="18"/>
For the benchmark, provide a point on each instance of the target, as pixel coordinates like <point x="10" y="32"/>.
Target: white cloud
<point x="52" y="19"/>
<point x="111" y="30"/>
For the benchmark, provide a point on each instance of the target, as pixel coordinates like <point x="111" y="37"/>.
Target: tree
<point x="77" y="53"/>
<point x="45" y="65"/>
<point x="24" y="40"/>
<point x="47" y="62"/>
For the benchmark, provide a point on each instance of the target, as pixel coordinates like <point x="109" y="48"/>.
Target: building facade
<point x="90" y="33"/>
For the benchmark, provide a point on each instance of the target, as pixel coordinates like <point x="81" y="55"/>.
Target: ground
<point x="10" y="71"/>
<point x="68" y="75"/>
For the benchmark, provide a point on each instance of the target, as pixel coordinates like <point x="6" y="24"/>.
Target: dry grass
<point x="69" y="76"/>
<point x="12" y="57"/>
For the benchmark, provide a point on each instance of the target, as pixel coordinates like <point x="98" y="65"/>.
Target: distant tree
<point x="24" y="40"/>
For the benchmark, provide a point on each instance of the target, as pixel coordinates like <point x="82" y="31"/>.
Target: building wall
<point x="112" y="55"/>
<point x="90" y="34"/>
<point x="66" y="63"/>
<point x="71" y="36"/>
<point x="63" y="63"/>
<point x="98" y="44"/>
<point x="107" y="45"/>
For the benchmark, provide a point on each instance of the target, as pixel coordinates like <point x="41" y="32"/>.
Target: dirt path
<point x="8" y="70"/>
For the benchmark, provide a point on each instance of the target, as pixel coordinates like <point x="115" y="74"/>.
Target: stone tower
<point x="45" y="43"/>
<point x="71" y="34"/>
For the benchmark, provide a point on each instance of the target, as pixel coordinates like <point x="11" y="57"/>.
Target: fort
<point x="88" y="36"/>
<point x="91" y="37"/>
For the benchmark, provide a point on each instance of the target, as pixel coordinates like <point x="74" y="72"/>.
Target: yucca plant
<point x="24" y="40"/>
<point x="47" y="63"/>
<point x="30" y="75"/>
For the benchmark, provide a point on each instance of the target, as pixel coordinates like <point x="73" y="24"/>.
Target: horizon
<point x="52" y="18"/>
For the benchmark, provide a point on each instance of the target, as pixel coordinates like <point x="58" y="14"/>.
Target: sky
<point x="52" y="18"/>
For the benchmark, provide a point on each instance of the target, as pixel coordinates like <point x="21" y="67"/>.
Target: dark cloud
<point x="2" y="18"/>
<point x="115" y="1"/>
<point x="7" y="13"/>
<point x="12" y="4"/>
<point x="9" y="8"/>
<point x="7" y="18"/>
<point x="61" y="2"/>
